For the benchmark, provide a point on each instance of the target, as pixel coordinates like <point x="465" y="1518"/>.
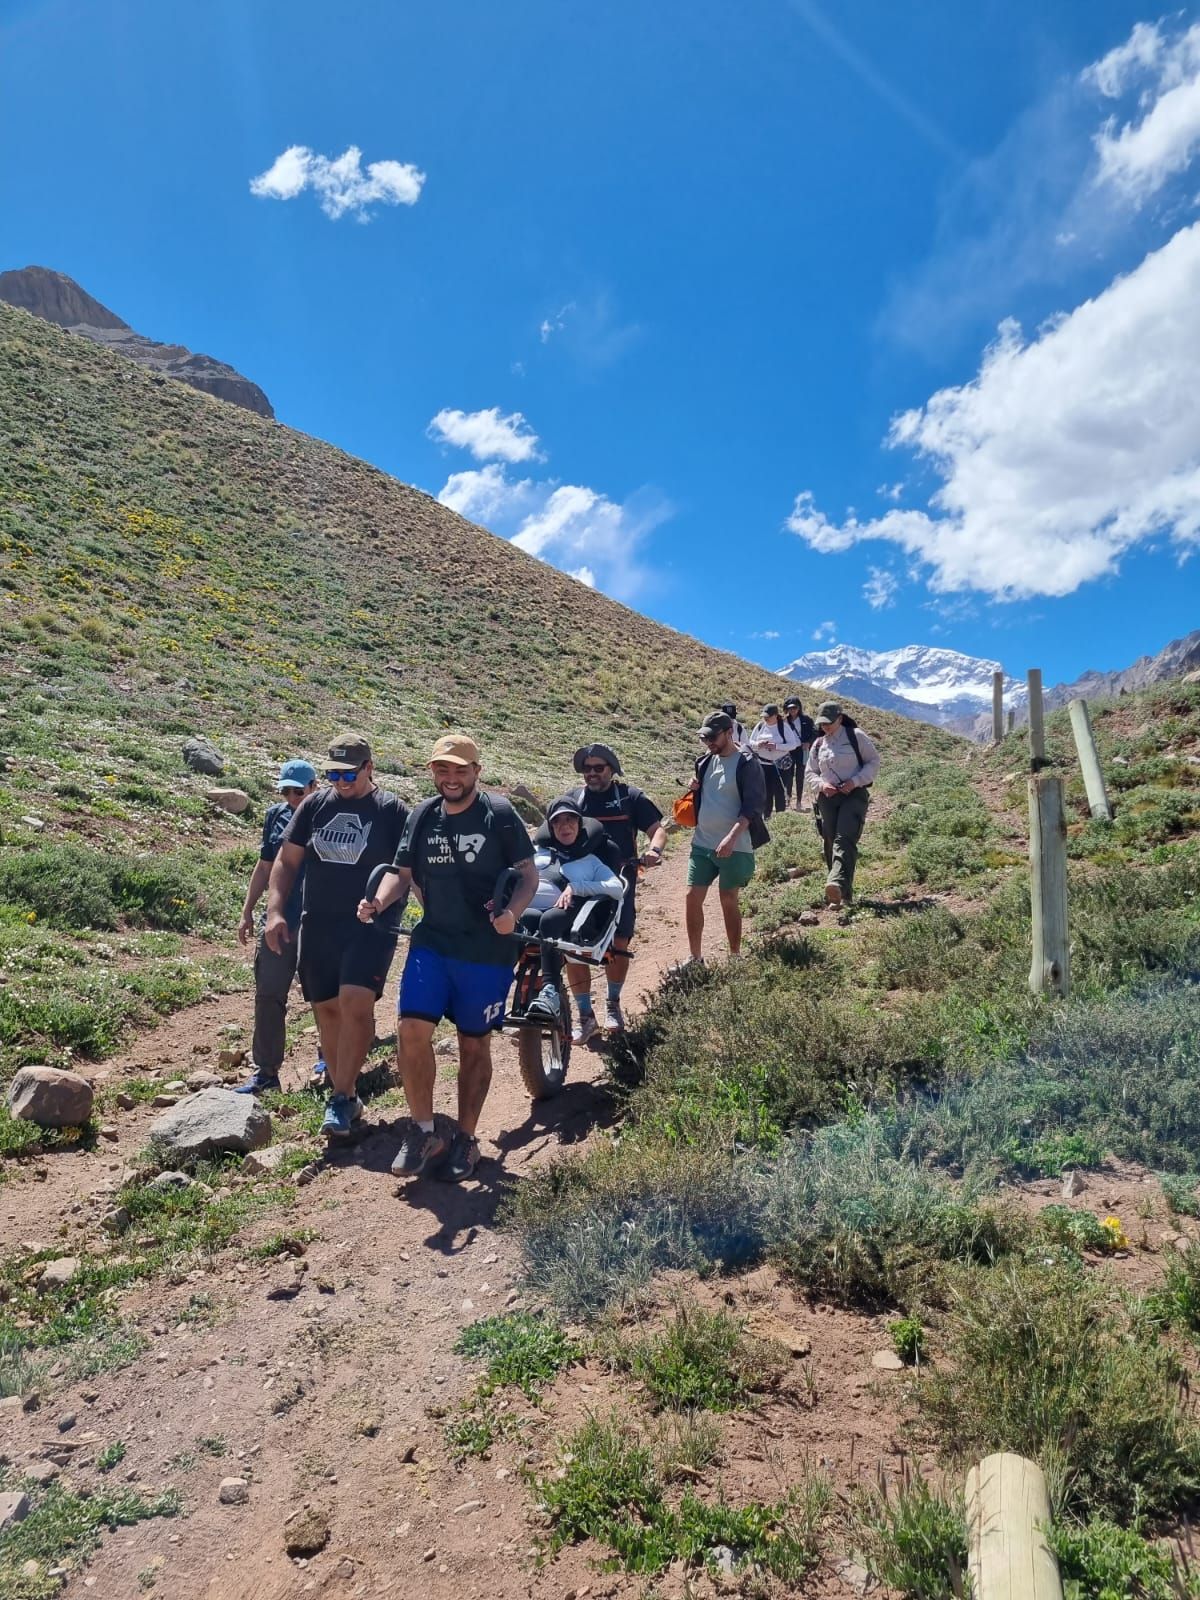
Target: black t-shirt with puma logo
<point x="457" y="859"/>
<point x="344" y="841"/>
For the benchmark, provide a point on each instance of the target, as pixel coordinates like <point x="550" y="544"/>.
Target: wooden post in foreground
<point x="1037" y="726"/>
<point x="1007" y="1509"/>
<point x="997" y="707"/>
<point x="1089" y="761"/>
<point x="1050" y="972"/>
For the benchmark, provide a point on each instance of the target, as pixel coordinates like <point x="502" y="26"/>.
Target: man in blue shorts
<point x="462" y="952"/>
<point x="339" y="836"/>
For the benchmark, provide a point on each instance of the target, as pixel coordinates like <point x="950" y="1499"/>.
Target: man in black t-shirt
<point x="461" y="957"/>
<point x="625" y="812"/>
<point x="339" y="836"/>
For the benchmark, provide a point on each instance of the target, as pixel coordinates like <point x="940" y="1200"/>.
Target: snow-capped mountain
<point x="921" y="681"/>
<point x="955" y="691"/>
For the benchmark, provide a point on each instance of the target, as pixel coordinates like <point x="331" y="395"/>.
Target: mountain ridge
<point x="55" y="298"/>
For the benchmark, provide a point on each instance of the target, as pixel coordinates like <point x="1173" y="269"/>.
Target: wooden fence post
<point x="1037" y="726"/>
<point x="1012" y="718"/>
<point x="1007" y="1510"/>
<point x="1050" y="972"/>
<point x="997" y="707"/>
<point x="1089" y="760"/>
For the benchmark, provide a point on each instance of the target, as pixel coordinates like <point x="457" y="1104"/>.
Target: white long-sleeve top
<point x="832" y="760"/>
<point x="771" y="742"/>
<point x="588" y="876"/>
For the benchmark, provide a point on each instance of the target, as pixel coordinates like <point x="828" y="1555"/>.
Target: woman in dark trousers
<point x="803" y="727"/>
<point x="777" y="746"/>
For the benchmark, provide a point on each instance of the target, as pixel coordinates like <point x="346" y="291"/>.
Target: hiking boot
<point x="418" y="1150"/>
<point x="585" y="1030"/>
<point x="342" y="1112"/>
<point x="460" y="1164"/>
<point x="833" y="895"/>
<point x="614" y="1022"/>
<point x="260" y="1081"/>
<point x="546" y="1004"/>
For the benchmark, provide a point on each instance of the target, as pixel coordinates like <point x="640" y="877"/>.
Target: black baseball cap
<point x="716" y="722"/>
<point x="348" y="752"/>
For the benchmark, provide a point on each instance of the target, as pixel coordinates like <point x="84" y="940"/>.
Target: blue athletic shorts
<point x="471" y="994"/>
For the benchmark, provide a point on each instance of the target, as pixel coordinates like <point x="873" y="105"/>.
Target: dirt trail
<point x="321" y="1395"/>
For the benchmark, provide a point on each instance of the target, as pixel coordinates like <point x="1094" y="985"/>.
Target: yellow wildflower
<point x="1116" y="1233"/>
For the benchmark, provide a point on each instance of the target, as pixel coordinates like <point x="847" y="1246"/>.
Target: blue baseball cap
<point x="296" y="775"/>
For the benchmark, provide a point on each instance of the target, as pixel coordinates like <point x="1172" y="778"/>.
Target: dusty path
<point x="323" y="1395"/>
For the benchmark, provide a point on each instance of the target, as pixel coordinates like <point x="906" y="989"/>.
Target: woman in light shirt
<point x="777" y="745"/>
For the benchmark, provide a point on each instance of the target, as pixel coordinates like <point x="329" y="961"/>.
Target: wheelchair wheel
<point x="545" y="1050"/>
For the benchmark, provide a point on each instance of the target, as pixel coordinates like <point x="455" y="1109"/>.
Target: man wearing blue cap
<point x="274" y="970"/>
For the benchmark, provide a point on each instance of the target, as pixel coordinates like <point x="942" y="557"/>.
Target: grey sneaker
<point x="418" y="1151"/>
<point x="460" y="1164"/>
<point x="545" y="1004"/>
<point x="614" y="1022"/>
<point x="585" y="1029"/>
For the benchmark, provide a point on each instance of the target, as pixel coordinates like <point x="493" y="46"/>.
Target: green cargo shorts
<point x="728" y="872"/>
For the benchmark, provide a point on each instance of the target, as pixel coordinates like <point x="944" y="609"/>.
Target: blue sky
<point x="720" y="259"/>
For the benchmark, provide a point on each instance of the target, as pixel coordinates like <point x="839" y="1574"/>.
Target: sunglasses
<point x="710" y="738"/>
<point x="291" y="788"/>
<point x="342" y="777"/>
<point x="590" y="766"/>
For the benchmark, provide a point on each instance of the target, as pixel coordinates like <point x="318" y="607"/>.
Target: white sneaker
<point x="614" y="1022"/>
<point x="585" y="1029"/>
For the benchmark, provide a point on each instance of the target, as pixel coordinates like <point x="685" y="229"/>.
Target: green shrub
<point x="702" y="1360"/>
<point x="913" y="1540"/>
<point x="942" y="861"/>
<point x="1098" y="1560"/>
<point x="1052" y="1363"/>
<point x="522" y="1350"/>
<point x="908" y="1338"/>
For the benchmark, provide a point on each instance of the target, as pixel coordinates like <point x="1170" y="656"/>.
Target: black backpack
<point x="500" y="814"/>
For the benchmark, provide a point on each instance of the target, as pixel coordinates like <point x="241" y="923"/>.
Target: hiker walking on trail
<point x="624" y="812"/>
<point x="842" y="765"/>
<point x="740" y="737"/>
<point x="462" y="952"/>
<point x="803" y="726"/>
<point x="274" y="971"/>
<point x="777" y="745"/>
<point x="338" y="836"/>
<point x="729" y="795"/>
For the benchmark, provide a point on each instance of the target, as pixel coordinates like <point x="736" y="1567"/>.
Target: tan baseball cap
<point x="348" y="752"/>
<point x="456" y="747"/>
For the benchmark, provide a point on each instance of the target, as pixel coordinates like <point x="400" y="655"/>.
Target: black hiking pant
<point x="776" y="795"/>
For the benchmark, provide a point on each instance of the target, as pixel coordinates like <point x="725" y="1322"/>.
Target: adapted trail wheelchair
<point x="543" y="1042"/>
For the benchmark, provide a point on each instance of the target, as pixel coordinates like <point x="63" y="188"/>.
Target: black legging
<point x="776" y="794"/>
<point x="793" y="779"/>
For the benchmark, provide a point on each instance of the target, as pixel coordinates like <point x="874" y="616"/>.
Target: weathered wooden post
<point x="997" y="707"/>
<point x="1050" y="972"/>
<point x="1089" y="761"/>
<point x="1008" y="1511"/>
<point x="1012" y="718"/>
<point x="1037" y="726"/>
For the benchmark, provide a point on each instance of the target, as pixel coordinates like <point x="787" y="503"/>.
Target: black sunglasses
<point x="291" y="788"/>
<point x="341" y="776"/>
<point x="590" y="766"/>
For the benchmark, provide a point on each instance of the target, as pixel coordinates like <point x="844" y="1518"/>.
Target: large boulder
<point x="210" y="1122"/>
<point x="50" y="1097"/>
<point x="203" y="757"/>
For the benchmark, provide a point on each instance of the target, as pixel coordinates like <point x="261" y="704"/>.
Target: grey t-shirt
<point x="720" y="804"/>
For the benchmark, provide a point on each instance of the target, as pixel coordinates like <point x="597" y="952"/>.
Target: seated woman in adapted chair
<point x="576" y="862"/>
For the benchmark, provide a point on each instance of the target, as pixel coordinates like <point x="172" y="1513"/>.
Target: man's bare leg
<point x="474" y="1079"/>
<point x="693" y="918"/>
<point x="418" y="1070"/>
<point x="731" y="910"/>
<point x="328" y="1018"/>
<point x="355" y="1036"/>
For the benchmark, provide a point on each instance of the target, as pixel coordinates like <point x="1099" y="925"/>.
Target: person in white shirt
<point x="842" y="765"/>
<point x="776" y="743"/>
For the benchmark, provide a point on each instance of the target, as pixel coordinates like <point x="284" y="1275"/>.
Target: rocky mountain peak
<point x="53" y="297"/>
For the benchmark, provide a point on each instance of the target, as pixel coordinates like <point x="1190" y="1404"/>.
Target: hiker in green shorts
<point x="730" y="795"/>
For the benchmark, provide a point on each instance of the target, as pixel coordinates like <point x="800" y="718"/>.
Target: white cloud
<point x="555" y="323"/>
<point x="341" y="184"/>
<point x="879" y="591"/>
<point x="583" y="532"/>
<point x="825" y="631"/>
<point x="1138" y="157"/>
<point x="486" y="434"/>
<point x="767" y="633"/>
<point x="590" y="330"/>
<point x="1063" y="452"/>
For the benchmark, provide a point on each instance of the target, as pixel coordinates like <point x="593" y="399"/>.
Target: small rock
<point x="107" y="1131"/>
<point x="30" y="1568"/>
<point x="36" y="823"/>
<point x="267" y="1160"/>
<point x="468" y="1505"/>
<point x="1073" y="1184"/>
<point x="50" y="1097"/>
<point x="408" y="1454"/>
<point x="344" y="1568"/>
<point x="230" y="1060"/>
<point x="306" y="1174"/>
<point x="125" y="1102"/>
<point x="163" y="1102"/>
<point x="115" y="1221"/>
<point x="213" y="1121"/>
<point x="725" y="1560"/>
<point x="854" y="1576"/>
<point x="306" y="1532"/>
<point x="445" y="1047"/>
<point x="202" y="756"/>
<point x="10" y="1405"/>
<point x="170" y="1180"/>
<point x="57" y="1274"/>
<point x="202" y="1080"/>
<point x="233" y="1492"/>
<point x="14" y="1507"/>
<point x="65" y="1424"/>
<point x="42" y="1472"/>
<point x="232" y="800"/>
<point x="887" y="1361"/>
<point x="430" y="1554"/>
